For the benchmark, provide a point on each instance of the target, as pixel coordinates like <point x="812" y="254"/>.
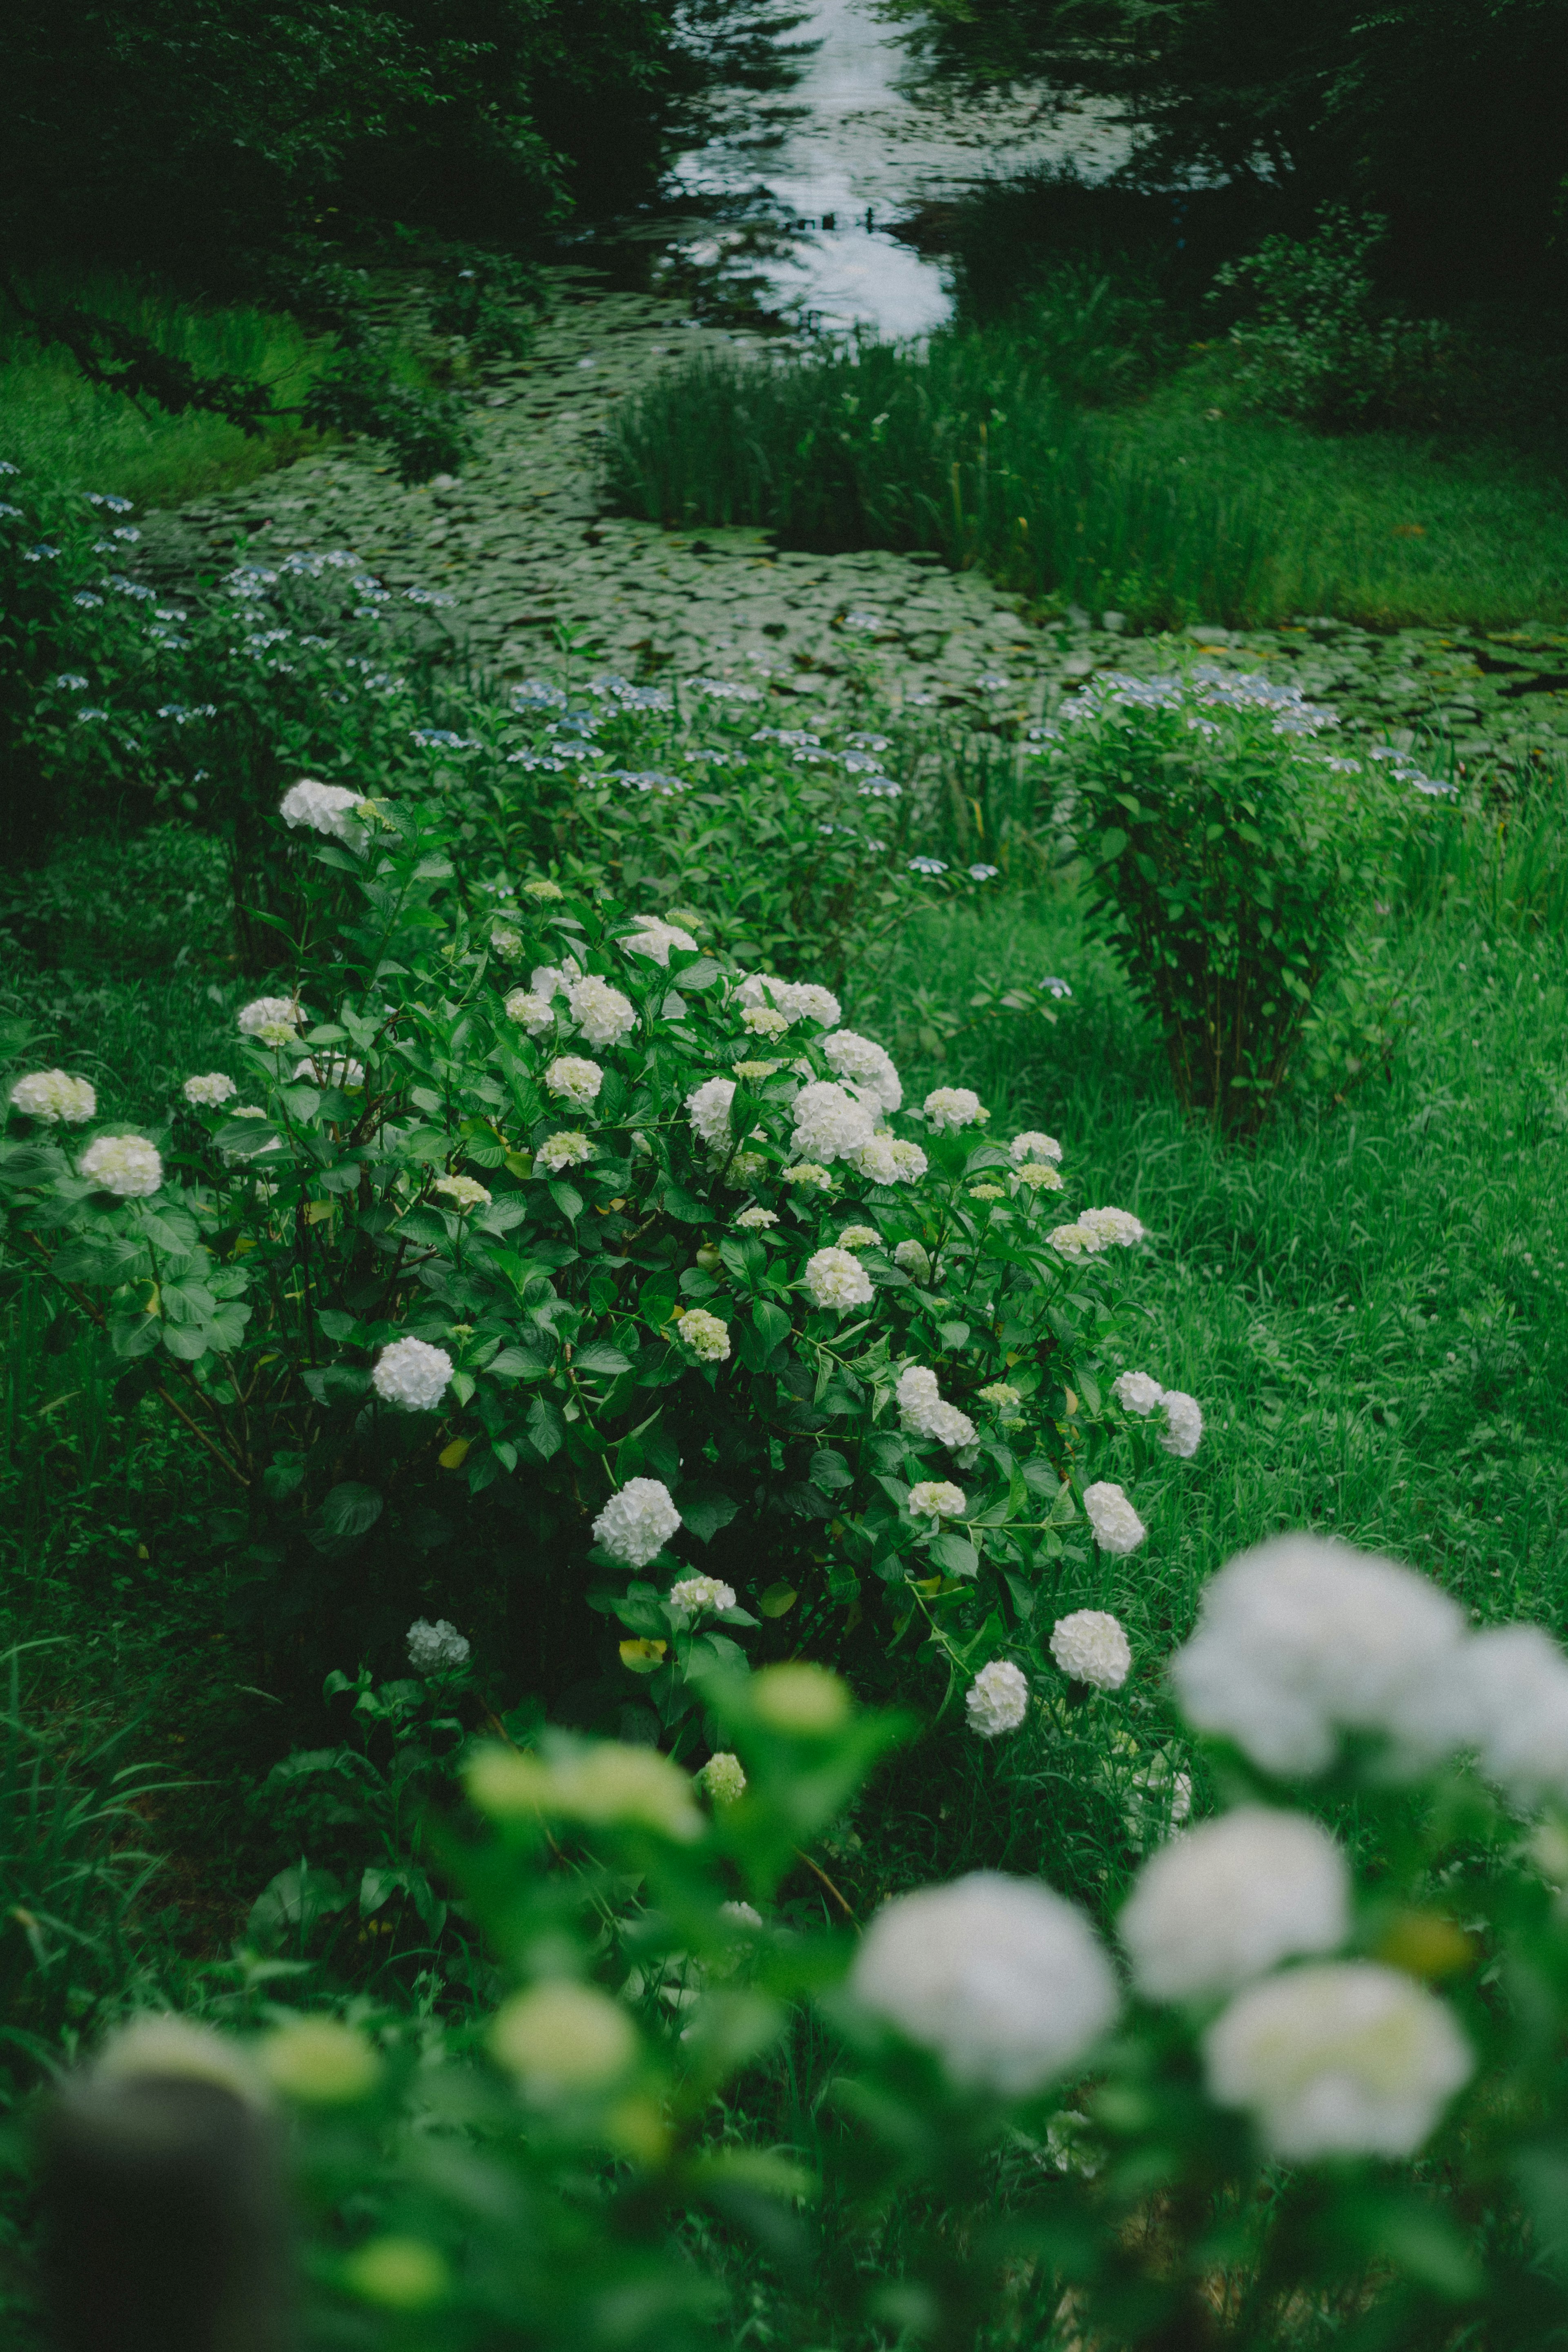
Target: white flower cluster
<point x="923" y="1413"/>
<point x="762" y="1021"/>
<point x="325" y="808"/>
<point x="708" y="1107"/>
<point x="332" y="1070"/>
<point x="1117" y="1525"/>
<point x="1031" y="1146"/>
<point x="600" y="1011"/>
<point x="997" y="1700"/>
<point x="951" y="1107"/>
<point x="210" y="1091"/>
<point x="654" y="938"/>
<point x="567" y="1150"/>
<point x="54" y="1097"/>
<point x="913" y="1258"/>
<point x="999" y="1976"/>
<point x="413" y="1374"/>
<point x="576" y="1080"/>
<point x="694" y="1593"/>
<point x="1230" y="1900"/>
<point x="1097" y="1230"/>
<point x="463" y="1191"/>
<point x="808" y="1174"/>
<point x="797" y="1000"/>
<point x="937" y="1498"/>
<point x="1090" y="1646"/>
<point x="530" y="1010"/>
<point x="889" y="1159"/>
<point x="707" y="1337"/>
<point x="866" y="1064"/>
<point x="836" y="1279"/>
<point x="436" y="1649"/>
<point x="724" y="1777"/>
<point x="859" y="1237"/>
<point x="1137" y="1392"/>
<point x="1039" y="1176"/>
<point x="637" y="1522"/>
<point x="829" y="1123"/>
<point x="273" y="1020"/>
<point x="125" y="1165"/>
<point x="755" y="1220"/>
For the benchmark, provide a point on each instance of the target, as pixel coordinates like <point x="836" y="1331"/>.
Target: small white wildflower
<point x="209" y="1091"/>
<point x="1002" y="1395"/>
<point x="273" y="1020"/>
<point x="1342" y="2058"/>
<point x="1112" y="1228"/>
<point x="723" y="1776"/>
<point x="1039" y="1176"/>
<point x="708" y="1107"/>
<point x="125" y="1165"/>
<point x="913" y="1258"/>
<point x="923" y="1413"/>
<point x="637" y="1522"/>
<point x="600" y="1011"/>
<point x="54" y="1097"/>
<point x="808" y="1175"/>
<point x="325" y="808"/>
<point x="763" y="1020"/>
<point x="937" y="1498"/>
<point x="754" y="1220"/>
<point x="1000" y="1976"/>
<point x="707" y="1337"/>
<point x="997" y="1700"/>
<point x="436" y="1649"/>
<point x="889" y="1159"/>
<point x="1090" y="1646"/>
<point x="462" y="1192"/>
<point x="1184" y="1423"/>
<point x="530" y="1011"/>
<point x="567" y="1150"/>
<point x="866" y="1064"/>
<point x="654" y="938"/>
<point x="695" y="1593"/>
<point x="829" y="1124"/>
<point x="413" y="1374"/>
<point x="1033" y="1145"/>
<point x="859" y="1237"/>
<point x="950" y="1106"/>
<point x="1117" y="1525"/>
<point x="576" y="1080"/>
<point x="1230" y="1900"/>
<point x="1137" y="1392"/>
<point x="836" y="1280"/>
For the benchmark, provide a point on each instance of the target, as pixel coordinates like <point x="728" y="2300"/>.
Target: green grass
<point x="69" y="433"/>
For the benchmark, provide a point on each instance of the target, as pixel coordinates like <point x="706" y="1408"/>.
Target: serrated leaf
<point x="545" y="1429"/>
<point x="348" y="1509"/>
<point x="600" y="1356"/>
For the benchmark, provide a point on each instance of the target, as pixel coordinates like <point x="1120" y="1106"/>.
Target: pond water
<point x="801" y="193"/>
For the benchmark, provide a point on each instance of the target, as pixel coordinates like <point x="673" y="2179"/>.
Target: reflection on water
<point x="861" y="142"/>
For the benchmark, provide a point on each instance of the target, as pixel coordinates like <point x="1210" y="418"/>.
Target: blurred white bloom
<point x="1112" y="1228"/>
<point x="1184" y="1423"/>
<point x="433" y="1649"/>
<point x="462" y="1192"/>
<point x="749" y="1070"/>
<point x="1509" y="1701"/>
<point x="1136" y="1392"/>
<point x="924" y="1414"/>
<point x="638" y="1522"/>
<point x="829" y="1124"/>
<point x="1117" y="1525"/>
<point x="868" y="1063"/>
<point x="752" y="1221"/>
<point x="913" y="1258"/>
<point x="1302" y="1639"/>
<point x="530" y="1010"/>
<point x="834" y="1279"/>
<point x="126" y="1165"/>
<point x="541" y="886"/>
<point x="567" y="1150"/>
<point x="723" y="1776"/>
<point x="707" y="1108"/>
<point x="332" y="1070"/>
<point x="889" y="1159"/>
<point x="1002" y="1979"/>
<point x="574" y="1079"/>
<point x="744" y="1915"/>
<point x="561" y="2038"/>
<point x="937" y="1498"/>
<point x="206" y="1093"/>
<point x="1343" y="2058"/>
<point x="1002" y="1395"/>
<point x="1090" y="1646"/>
<point x="654" y="938"/>
<point x="325" y="808"/>
<point x="413" y="1374"/>
<point x="797" y="1000"/>
<point x="697" y="1592"/>
<point x="506" y="943"/>
<point x="53" y="1095"/>
<point x="954" y="1107"/>
<point x="1033" y="1145"/>
<point x="808" y="1173"/>
<point x="549" y="980"/>
<point x="997" y="1700"/>
<point x="706" y="1336"/>
<point x="273" y="1019"/>
<point x="859" y="1237"/>
<point x="1231" y="1899"/>
<point x="600" y="1011"/>
<point x="1039" y="1176"/>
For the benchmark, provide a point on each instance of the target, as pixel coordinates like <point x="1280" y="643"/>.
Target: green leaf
<point x="704" y="1510"/>
<point x="335" y="1324"/>
<point x="684" y="1206"/>
<point x="545" y="1429"/>
<point x="777" y="1600"/>
<point x="599" y="1356"/>
<point x="519" y="1364"/>
<point x="956" y="1554"/>
<point x="829" y="1471"/>
<point x="567" y="1199"/>
<point x="350" y="1509"/>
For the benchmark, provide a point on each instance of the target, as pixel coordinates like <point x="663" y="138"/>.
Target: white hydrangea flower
<point x="541" y="886"/>
<point x="462" y="1192"/>
<point x="413" y="1374"/>
<point x="654" y="938"/>
<point x="924" y="1414"/>
<point x="1039" y="1176"/>
<point x="530" y="1010"/>
<point x="436" y="1649"/>
<point x="866" y="1064"/>
<point x="859" y="1237"/>
<point x="763" y="1020"/>
<point x="332" y="1070"/>
<point x="837" y="1280"/>
<point x="552" y="979"/>
<point x="211" y="1090"/>
<point x="743" y="1915"/>
<point x="575" y="1079"/>
<point x="567" y="1150"/>
<point x="125" y="1165"/>
<point x="1073" y="1240"/>
<point x="506" y="943"/>
<point x="1302" y="1639"/>
<point x="1509" y="1702"/>
<point x="708" y="1107"/>
<point x="997" y="1700"/>
<point x="749" y="1070"/>
<point x="694" y="1593"/>
<point x="707" y="1337"/>
<point x="637" y="1522"/>
<point x="1002" y="1395"/>
<point x="808" y="1175"/>
<point x="1341" y="2058"/>
<point x="1230" y="1900"/>
<point x="987" y="1193"/>
<point x="829" y="1124"/>
<point x="1136" y="1392"/>
<point x="948" y="1106"/>
<point x="797" y="1000"/>
<point x="1033" y="1145"/>
<point x="889" y="1159"/>
<point x="724" y="1777"/>
<point x="937" y="1498"/>
<point x="1112" y="1228"/>
<point x="1184" y="1423"/>
<point x="274" y="1020"/>
<point x="1090" y="1646"/>
<point x="1000" y="1976"/>
<point x="325" y="808"/>
<point x="600" y="1011"/>
<point x="54" y="1097"/>
<point x="754" y="1220"/>
<point x="1117" y="1525"/>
